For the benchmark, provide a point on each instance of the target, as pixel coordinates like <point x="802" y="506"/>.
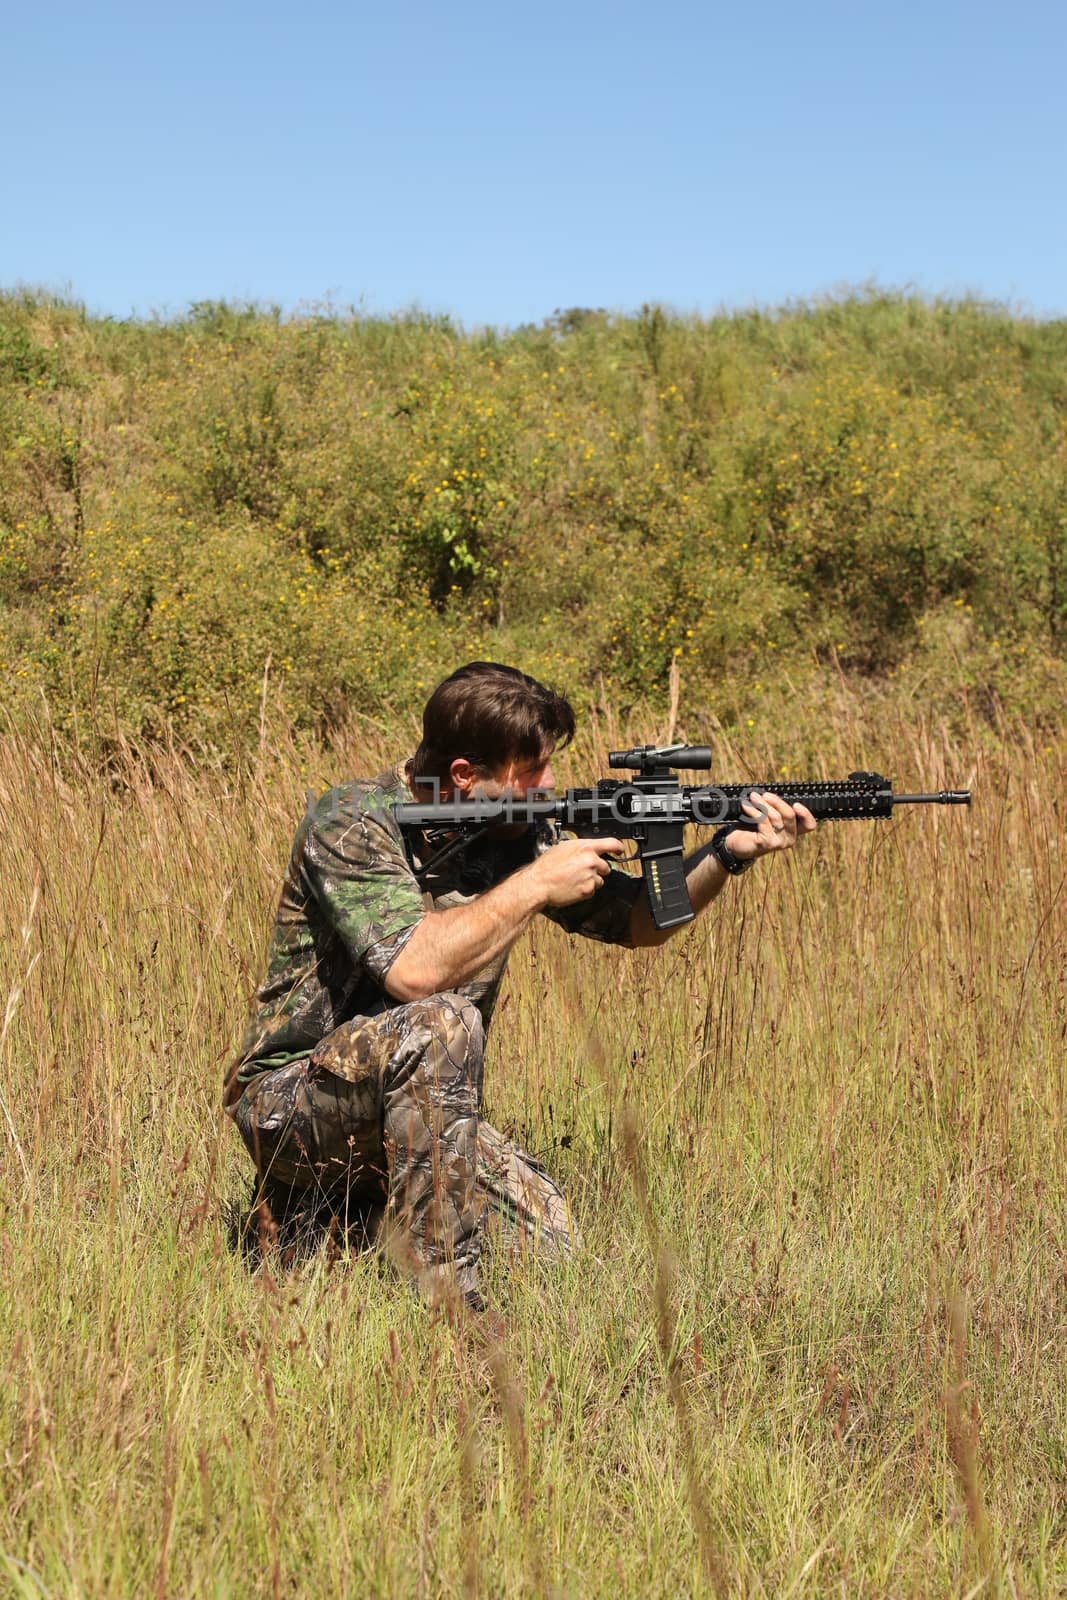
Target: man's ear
<point x="462" y="775"/>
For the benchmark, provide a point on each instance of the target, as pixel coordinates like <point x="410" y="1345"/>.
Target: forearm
<point x="775" y="825"/>
<point x="704" y="878"/>
<point x="448" y="947"/>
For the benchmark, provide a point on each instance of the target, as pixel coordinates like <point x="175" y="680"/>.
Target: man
<point x="361" y="1070"/>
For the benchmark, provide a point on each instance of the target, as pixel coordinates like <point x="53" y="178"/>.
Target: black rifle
<point x="653" y="808"/>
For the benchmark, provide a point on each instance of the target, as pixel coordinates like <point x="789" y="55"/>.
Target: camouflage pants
<point x="391" y="1103"/>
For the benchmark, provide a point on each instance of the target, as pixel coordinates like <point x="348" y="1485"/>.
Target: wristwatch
<point x="725" y="856"/>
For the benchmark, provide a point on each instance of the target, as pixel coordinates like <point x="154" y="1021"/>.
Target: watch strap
<point x="725" y="856"/>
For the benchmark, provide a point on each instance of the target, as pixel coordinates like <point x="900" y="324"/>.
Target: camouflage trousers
<point x="391" y="1104"/>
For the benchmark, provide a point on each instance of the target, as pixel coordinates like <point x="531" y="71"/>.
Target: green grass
<point x="813" y="1343"/>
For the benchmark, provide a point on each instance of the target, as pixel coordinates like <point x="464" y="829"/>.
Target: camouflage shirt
<point x="350" y="902"/>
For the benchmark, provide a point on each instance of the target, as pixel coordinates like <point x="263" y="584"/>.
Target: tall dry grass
<point x="813" y="1344"/>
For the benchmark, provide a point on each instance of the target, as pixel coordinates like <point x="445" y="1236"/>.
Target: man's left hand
<point x="780" y="826"/>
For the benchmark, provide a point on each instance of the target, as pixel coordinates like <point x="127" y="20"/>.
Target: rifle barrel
<point x="944" y="797"/>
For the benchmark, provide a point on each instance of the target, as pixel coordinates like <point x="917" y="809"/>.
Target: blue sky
<point x="499" y="161"/>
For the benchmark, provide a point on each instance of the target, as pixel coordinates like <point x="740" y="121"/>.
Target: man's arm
<point x="447" y="948"/>
<point x="780" y="825"/>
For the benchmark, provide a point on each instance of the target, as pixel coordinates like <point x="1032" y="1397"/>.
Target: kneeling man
<point x="360" y="1075"/>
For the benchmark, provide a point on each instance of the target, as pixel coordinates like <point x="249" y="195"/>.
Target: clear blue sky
<point x="497" y="161"/>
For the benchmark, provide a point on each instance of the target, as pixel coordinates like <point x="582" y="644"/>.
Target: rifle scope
<point x="648" y="758"/>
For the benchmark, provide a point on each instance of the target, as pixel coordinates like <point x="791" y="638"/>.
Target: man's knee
<point x="439" y="1045"/>
<point x="455" y="1020"/>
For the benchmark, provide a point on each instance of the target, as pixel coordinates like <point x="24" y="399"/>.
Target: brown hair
<point x="490" y="714"/>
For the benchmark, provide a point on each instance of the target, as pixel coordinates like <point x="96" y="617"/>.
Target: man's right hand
<point x="573" y="869"/>
<point x="449" y="947"/>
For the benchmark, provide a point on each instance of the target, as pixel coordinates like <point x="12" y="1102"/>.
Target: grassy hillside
<point x="210" y="518"/>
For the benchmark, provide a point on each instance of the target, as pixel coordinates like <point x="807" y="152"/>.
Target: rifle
<point x="653" y="809"/>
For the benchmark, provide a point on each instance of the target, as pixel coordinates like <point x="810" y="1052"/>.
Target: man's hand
<point x="780" y="826"/>
<point x="573" y="869"/>
<point x="448" y="947"/>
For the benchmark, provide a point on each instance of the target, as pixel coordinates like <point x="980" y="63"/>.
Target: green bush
<point x="202" y="517"/>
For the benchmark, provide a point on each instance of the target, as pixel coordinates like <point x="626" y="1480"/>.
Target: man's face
<point x="521" y="776"/>
<point x="517" y="776"/>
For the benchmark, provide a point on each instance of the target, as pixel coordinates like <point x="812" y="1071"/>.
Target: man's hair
<point x="490" y="714"/>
